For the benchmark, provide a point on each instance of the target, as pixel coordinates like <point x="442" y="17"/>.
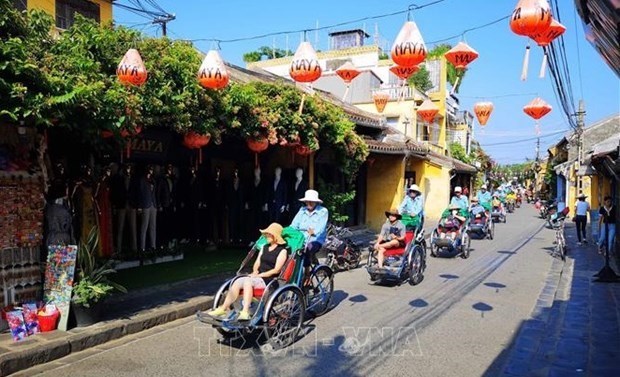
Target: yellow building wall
<point x="385" y="188"/>
<point x="601" y="187"/>
<point x="439" y="99"/>
<point x="49" y="6"/>
<point x="400" y="109"/>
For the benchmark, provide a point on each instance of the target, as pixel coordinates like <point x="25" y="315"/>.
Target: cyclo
<point x="498" y="212"/>
<point x="511" y="201"/>
<point x="280" y="308"/>
<point x="481" y="225"/>
<point x="403" y="263"/>
<point x="461" y="242"/>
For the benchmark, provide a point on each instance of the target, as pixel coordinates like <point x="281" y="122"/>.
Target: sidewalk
<point x="124" y="315"/>
<point x="574" y="329"/>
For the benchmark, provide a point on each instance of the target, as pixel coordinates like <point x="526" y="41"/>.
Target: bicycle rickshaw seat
<point x="409" y="235"/>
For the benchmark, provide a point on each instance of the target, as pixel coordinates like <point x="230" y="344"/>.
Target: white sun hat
<point x="311" y="196"/>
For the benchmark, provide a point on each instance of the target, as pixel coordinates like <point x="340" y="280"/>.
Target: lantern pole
<point x="580" y="128"/>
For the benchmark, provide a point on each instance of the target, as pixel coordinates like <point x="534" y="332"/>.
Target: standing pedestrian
<point x="581" y="213"/>
<point x="606" y="222"/>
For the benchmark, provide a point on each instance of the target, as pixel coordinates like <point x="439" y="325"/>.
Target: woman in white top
<point x="581" y="214"/>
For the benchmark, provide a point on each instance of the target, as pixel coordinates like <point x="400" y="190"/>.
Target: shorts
<point x="311" y="249"/>
<point x="256" y="281"/>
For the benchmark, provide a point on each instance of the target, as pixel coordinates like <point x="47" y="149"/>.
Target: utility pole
<point x="580" y="128"/>
<point x="163" y="20"/>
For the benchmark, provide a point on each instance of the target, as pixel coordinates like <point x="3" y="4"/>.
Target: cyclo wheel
<point x="416" y="265"/>
<point x="284" y="315"/>
<point x="465" y="245"/>
<point x="491" y="230"/>
<point x="320" y="292"/>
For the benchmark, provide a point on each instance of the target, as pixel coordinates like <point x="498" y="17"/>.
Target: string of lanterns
<point x="530" y="18"/>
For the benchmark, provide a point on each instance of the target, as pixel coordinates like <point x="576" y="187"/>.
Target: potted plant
<point x="93" y="284"/>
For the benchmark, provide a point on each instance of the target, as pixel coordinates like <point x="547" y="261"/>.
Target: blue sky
<point x="494" y="76"/>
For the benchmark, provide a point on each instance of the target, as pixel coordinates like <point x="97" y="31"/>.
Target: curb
<point x="55" y="346"/>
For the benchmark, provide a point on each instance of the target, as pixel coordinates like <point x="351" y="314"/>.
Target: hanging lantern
<point x="545" y="37"/>
<point x="537" y="108"/>
<point x="212" y="73"/>
<point x="530" y="17"/>
<point x="303" y="150"/>
<point x="483" y="111"/>
<point x="428" y="111"/>
<point x="403" y="72"/>
<point x="381" y="99"/>
<point x="408" y="49"/>
<point x="305" y="66"/>
<point x="131" y="70"/>
<point x="461" y="55"/>
<point x="348" y="72"/>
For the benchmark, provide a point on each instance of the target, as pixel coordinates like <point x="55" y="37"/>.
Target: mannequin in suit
<point x="216" y="207"/>
<point x="277" y="196"/>
<point x="166" y="201"/>
<point x="298" y="189"/>
<point x="123" y="195"/>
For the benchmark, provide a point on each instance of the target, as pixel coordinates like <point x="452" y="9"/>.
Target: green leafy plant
<point x="336" y="201"/>
<point x="93" y="284"/>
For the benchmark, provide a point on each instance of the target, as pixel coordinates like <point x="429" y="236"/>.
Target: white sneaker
<point x="578" y="243"/>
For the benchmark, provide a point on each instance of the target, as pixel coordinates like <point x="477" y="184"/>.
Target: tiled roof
<point x="452" y="163"/>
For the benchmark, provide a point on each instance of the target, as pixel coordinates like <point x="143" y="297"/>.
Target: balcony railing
<point x="398" y="92"/>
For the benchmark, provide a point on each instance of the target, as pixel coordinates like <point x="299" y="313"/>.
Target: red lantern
<point x="408" y="49"/>
<point x="257" y="146"/>
<point x="461" y="55"/>
<point x="212" y="73"/>
<point x="381" y="100"/>
<point x="537" y="108"/>
<point x="303" y="150"/>
<point x="131" y="70"/>
<point x="545" y="37"/>
<point x="530" y="17"/>
<point x="428" y="110"/>
<point x="483" y="111"/>
<point x="403" y="72"/>
<point x="348" y="72"/>
<point x="305" y="66"/>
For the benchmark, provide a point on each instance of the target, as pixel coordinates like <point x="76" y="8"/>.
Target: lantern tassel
<point x="526" y="62"/>
<point x="255" y="160"/>
<point x="129" y="149"/>
<point x="200" y="156"/>
<point x="345" y="94"/>
<point x="543" y="66"/>
<point x="456" y="84"/>
<point x="537" y="129"/>
<point x="301" y="105"/>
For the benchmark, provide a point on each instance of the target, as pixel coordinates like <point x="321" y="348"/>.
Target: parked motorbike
<point x="342" y="253"/>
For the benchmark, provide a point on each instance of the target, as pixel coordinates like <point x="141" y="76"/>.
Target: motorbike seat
<point x="397" y="252"/>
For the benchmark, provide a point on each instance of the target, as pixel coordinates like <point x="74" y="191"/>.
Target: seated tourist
<point x="392" y="235"/>
<point x="269" y="262"/>
<point x="452" y="223"/>
<point x="477" y="211"/>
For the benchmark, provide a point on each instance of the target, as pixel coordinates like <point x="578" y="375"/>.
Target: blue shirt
<point x="412" y="207"/>
<point x="462" y="202"/>
<point x="317" y="220"/>
<point x="484" y="197"/>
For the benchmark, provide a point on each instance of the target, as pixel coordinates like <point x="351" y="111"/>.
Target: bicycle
<point x="560" y="241"/>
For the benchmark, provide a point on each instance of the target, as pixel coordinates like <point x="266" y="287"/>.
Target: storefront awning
<point x="586" y="169"/>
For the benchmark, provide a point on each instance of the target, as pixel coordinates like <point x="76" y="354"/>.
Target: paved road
<point x="458" y="321"/>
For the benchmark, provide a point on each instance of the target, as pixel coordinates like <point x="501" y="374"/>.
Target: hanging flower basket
<point x="257" y="146"/>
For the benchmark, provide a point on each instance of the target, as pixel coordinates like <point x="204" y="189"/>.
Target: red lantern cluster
<point x="461" y="55"/>
<point x="303" y="150"/>
<point x="131" y="70"/>
<point x="305" y="66"/>
<point x="537" y="108"/>
<point x="212" y="73"/>
<point x="483" y="111"/>
<point x="409" y="49"/>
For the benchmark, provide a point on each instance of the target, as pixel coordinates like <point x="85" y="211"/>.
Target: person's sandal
<point x="217" y="312"/>
<point x="243" y="316"/>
